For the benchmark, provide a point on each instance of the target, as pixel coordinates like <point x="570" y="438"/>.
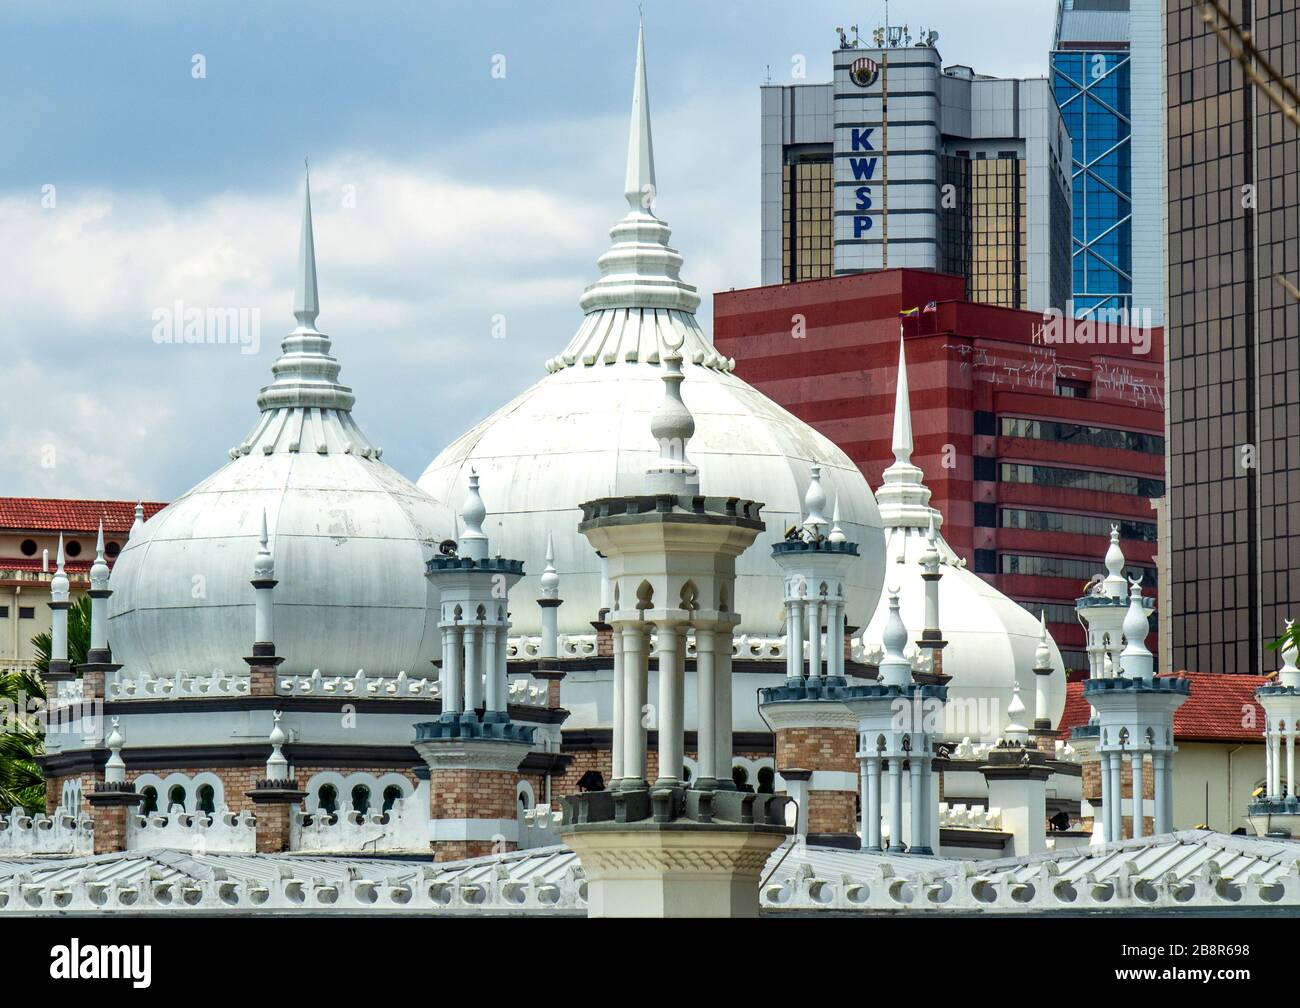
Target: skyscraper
<point x="1234" y="360"/>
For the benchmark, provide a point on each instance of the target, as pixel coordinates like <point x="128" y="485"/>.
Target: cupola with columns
<point x="1277" y="811"/>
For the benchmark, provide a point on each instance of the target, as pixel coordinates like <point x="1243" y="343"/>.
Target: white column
<point x="1290" y="759"/>
<point x="793" y="644"/>
<point x="814" y="638"/>
<point x="263" y="620"/>
<point x="706" y="728"/>
<point x="671" y="691"/>
<point x="493" y="701"/>
<point x="618" y="715"/>
<point x="918" y="837"/>
<point x="453" y="696"/>
<point x="1139" y="805"/>
<point x="722" y="707"/>
<point x="872" y="804"/>
<point x="1106" y="797"/>
<point x="503" y="653"/>
<point x="896" y="798"/>
<point x="636" y="679"/>
<point x="473" y="667"/>
<point x="834" y="639"/>
<point x="1274" y="738"/>
<point x="1117" y="790"/>
<point x="794" y="631"/>
<point x="1159" y="760"/>
<point x="1268" y="764"/>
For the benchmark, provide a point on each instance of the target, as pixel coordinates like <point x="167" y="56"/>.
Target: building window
<point x="112" y="550"/>
<point x="207" y="799"/>
<point x="985" y="515"/>
<point x="1067" y="389"/>
<point x="150" y="803"/>
<point x="808" y="213"/>
<point x="361" y="799"/>
<point x="4" y="612"/>
<point x="327" y="799"/>
<point x="986" y="468"/>
<point x="176" y="797"/>
<point x="72" y="548"/>
<point x="1082" y="479"/>
<point x="986" y="561"/>
<point x="392" y="794"/>
<point x="1082" y="434"/>
<point x="1055" y="612"/>
<point x="1061" y="567"/>
<point x="1075" y="524"/>
<point x="26" y="612"/>
<point x="28" y="547"/>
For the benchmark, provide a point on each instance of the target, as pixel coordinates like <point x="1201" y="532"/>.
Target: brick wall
<point x="472" y="794"/>
<point x="817" y="749"/>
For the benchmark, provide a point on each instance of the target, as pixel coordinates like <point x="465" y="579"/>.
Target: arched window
<point x="766" y="780"/>
<point x="207" y="799"/>
<point x="327" y="798"/>
<point x="150" y="803"/>
<point x="360" y="799"/>
<point x="391" y="794"/>
<point x="741" y="778"/>
<point x="176" y="796"/>
<point x="686" y="774"/>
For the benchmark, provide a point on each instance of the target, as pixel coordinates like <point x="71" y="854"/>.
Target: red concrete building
<point x="1033" y="437"/>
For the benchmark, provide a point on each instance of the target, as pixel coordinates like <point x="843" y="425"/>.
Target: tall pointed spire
<point x="639" y="187"/>
<point x="903" y="498"/>
<point x="306" y="301"/>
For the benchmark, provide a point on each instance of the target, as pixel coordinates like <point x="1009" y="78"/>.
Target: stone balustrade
<point x="197" y="832"/>
<point x="146" y="685"/>
<point x="969" y="817"/>
<point x="540" y="827"/>
<point x="404" y="827"/>
<point x="400" y="686"/>
<point x="61" y="833"/>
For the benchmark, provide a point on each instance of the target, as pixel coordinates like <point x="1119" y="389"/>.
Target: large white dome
<point x="349" y="535"/>
<point x="583" y="431"/>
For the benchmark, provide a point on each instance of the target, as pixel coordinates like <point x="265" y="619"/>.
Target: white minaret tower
<point x="138" y="524"/>
<point x="263" y="584"/>
<point x="277" y="767"/>
<point x="1135" y="719"/>
<point x="897" y="721"/>
<point x="1102" y="610"/>
<point x="60" y="669"/>
<point x="115" y="768"/>
<point x="1043" y="730"/>
<point x="550" y="603"/>
<point x="1277" y="812"/>
<point x="99" y="594"/>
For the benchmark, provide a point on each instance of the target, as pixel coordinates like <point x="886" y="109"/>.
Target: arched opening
<point x="207" y="799"/>
<point x="645" y="595"/>
<point x="176" y="796"/>
<point x="150" y="803"/>
<point x="391" y="794"/>
<point x="740" y="777"/>
<point x="690" y="597"/>
<point x="766" y="780"/>
<point x="327" y="799"/>
<point x="360" y="799"/>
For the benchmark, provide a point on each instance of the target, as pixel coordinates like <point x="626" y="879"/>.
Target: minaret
<point x="899" y="721"/>
<point x="60" y="669"/>
<point x="903" y="497"/>
<point x="473" y="731"/>
<point x="276" y="797"/>
<point x="1135" y="715"/>
<point x="263" y="662"/>
<point x="931" y="636"/>
<point x="1016" y="775"/>
<point x="99" y="660"/>
<point x="113" y="798"/>
<point x="549" y="667"/>
<point x="1276" y="813"/>
<point x="667" y="847"/>
<point x="138" y="524"/>
<point x="1043" y="731"/>
<point x="816" y="735"/>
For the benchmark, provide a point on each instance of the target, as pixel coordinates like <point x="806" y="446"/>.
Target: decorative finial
<point x="138" y="524"/>
<point x="639" y="186"/>
<point x="1288" y="674"/>
<point x="114" y="768"/>
<point x="263" y="563"/>
<point x="903" y="498"/>
<point x="930" y="557"/>
<point x="895" y="669"/>
<point x="1015" y="731"/>
<point x="473" y="512"/>
<point x="1042" y="654"/>
<point x="902" y="443"/>
<point x="550" y="579"/>
<point x="837" y="533"/>
<point x="1136" y="660"/>
<point x="306" y="302"/>
<point x="814" y="502"/>
<point x="1115" y="584"/>
<point x="59" y="582"/>
<point x="99" y="569"/>
<point x="277" y="767"/>
<point x="672" y="426"/>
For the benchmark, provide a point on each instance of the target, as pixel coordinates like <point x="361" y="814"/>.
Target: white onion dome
<point x="992" y="641"/>
<point x="350" y="537"/>
<point x="582" y="431"/>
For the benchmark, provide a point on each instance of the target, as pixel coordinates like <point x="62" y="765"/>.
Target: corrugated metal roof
<point x="1093" y="26"/>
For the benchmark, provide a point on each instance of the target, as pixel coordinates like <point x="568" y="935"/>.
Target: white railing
<point x="969" y="817"/>
<point x="147" y="685"/>
<point x="61" y="833"/>
<point x="359" y="685"/>
<point x="405" y="827"/>
<point x="223" y="832"/>
<point x="540" y="827"/>
<point x="745" y="646"/>
<point x="524" y="692"/>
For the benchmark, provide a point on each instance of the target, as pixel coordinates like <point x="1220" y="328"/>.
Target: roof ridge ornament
<point x="473" y="541"/>
<point x="1136" y="660"/>
<point x="814" y="502"/>
<point x="895" y="669"/>
<point x="673" y="426"/>
<point x="903" y="497"/>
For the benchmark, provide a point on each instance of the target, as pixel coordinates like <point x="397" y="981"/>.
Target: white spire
<point x="115" y="769"/>
<point x="277" y="767"/>
<point x="1136" y="660"/>
<point x="895" y="669"/>
<point x="903" y="498"/>
<point x="640" y="309"/>
<point x="473" y="540"/>
<point x="930" y="556"/>
<point x="99" y="569"/>
<point x="59" y="582"/>
<point x="138" y="524"/>
<point x="550" y="579"/>
<point x="1042" y="654"/>
<point x="639" y="187"/>
<point x="672" y="427"/>
<point x="1288" y="674"/>
<point x="1015" y="730"/>
<point x="263" y="563"/>
<point x="305" y="408"/>
<point x="814" y="502"/>
<point x="837" y="533"/>
<point x="1115" y="584"/>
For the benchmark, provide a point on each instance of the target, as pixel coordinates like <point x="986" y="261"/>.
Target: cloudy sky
<point x="467" y="161"/>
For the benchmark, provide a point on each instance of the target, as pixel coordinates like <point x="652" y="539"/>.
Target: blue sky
<point x="475" y="196"/>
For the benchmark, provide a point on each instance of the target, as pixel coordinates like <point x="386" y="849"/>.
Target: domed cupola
<point x="991" y="643"/>
<point x="582" y="432"/>
<point x="350" y="537"/>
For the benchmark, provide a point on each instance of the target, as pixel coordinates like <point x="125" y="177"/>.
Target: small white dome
<point x="349" y="535"/>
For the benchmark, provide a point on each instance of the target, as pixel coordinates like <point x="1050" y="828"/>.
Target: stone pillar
<point x="871" y="802"/>
<point x="896" y="801"/>
<point x="1017" y="782"/>
<point x="794" y="634"/>
<point x="820" y="736"/>
<point x="672" y="674"/>
<point x="1159" y="762"/>
<point x="473" y="633"/>
<point x="453" y="697"/>
<point x="722" y="705"/>
<point x="263" y="666"/>
<point x="636" y="681"/>
<point x="1115" y="808"/>
<point x="814" y="638"/>
<point x="274" y="803"/>
<point x="473" y="803"/>
<point x="1135" y="767"/>
<point x="112" y="803"/>
<point x="706" y="728"/>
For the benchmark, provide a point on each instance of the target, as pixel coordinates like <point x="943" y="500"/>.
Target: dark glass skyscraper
<point x="1234" y="343"/>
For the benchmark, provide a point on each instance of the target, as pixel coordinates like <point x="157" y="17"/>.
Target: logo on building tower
<point x="864" y="71"/>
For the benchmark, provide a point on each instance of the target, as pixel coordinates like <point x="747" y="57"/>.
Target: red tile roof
<point x="1221" y="708"/>
<point x="52" y="514"/>
<point x="34" y="564"/>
